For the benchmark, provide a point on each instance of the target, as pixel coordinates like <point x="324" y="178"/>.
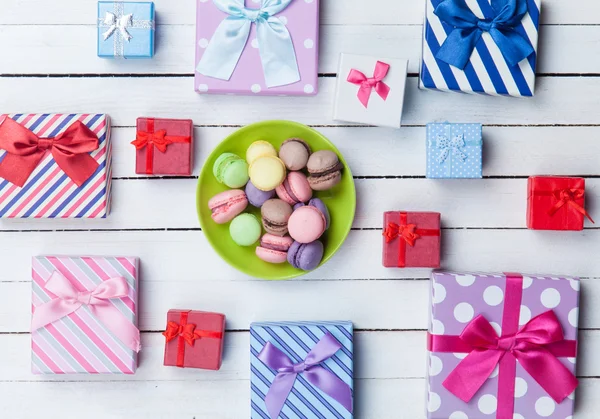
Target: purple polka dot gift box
<point x="454" y="151"/>
<point x="257" y="47"/>
<point x="502" y="346"/>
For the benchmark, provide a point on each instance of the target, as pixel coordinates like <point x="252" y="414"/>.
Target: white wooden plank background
<point x="48" y="64"/>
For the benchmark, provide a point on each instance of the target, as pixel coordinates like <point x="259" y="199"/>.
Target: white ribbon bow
<point x="454" y="145"/>
<point x="121" y="23"/>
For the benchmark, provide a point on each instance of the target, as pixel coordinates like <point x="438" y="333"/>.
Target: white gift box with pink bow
<point x="370" y="90"/>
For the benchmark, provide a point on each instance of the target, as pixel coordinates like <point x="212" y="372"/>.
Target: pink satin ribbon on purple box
<point x="367" y="84"/>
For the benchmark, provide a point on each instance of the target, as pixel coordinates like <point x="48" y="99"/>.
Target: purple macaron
<point x="305" y="256"/>
<point x="256" y="197"/>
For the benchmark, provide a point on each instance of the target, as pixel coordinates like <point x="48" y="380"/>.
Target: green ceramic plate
<point x="340" y="200"/>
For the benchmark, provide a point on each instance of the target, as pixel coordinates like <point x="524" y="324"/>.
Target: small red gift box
<point x="556" y="203"/>
<point x="411" y="239"/>
<point x="164" y="146"/>
<point x="194" y="339"/>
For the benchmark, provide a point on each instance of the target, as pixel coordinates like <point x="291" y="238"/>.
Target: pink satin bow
<point x="533" y="346"/>
<point x="69" y="300"/>
<point x="368" y="84"/>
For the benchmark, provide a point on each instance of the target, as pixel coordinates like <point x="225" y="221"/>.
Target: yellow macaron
<point x="260" y="149"/>
<point x="267" y="173"/>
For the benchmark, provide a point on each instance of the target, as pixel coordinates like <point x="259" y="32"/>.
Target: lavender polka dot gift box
<point x="454" y="151"/>
<point x="502" y="346"/>
<point x="257" y="47"/>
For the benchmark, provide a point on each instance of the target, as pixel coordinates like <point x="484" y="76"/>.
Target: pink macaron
<point x="227" y="205"/>
<point x="307" y="224"/>
<point x="273" y="249"/>
<point x="294" y="189"/>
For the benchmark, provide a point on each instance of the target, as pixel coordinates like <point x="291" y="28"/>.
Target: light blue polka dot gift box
<point x="454" y="151"/>
<point x="125" y="29"/>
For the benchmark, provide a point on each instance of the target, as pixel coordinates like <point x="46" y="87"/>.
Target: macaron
<point x="231" y="170"/>
<point x="305" y="256"/>
<point x="273" y="249"/>
<point x="227" y="205"/>
<point x="245" y="229"/>
<point x="307" y="224"/>
<point x="275" y="215"/>
<point x="320" y="205"/>
<point x="256" y="197"/>
<point x="259" y="149"/>
<point x="325" y="170"/>
<point x="294" y="153"/>
<point x="294" y="189"/>
<point x="267" y="173"/>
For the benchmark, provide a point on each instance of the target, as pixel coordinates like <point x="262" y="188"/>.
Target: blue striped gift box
<point x="487" y="72"/>
<point x="452" y="161"/>
<point x="296" y="339"/>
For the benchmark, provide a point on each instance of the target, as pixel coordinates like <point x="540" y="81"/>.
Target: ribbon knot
<point x="406" y="232"/>
<point x="69" y="299"/>
<point x="501" y="20"/>
<point x="368" y="84"/>
<point x="454" y="146"/>
<point x="275" y="44"/>
<point x="569" y="197"/>
<point x="25" y="150"/>
<point x="310" y="368"/>
<point x="506" y="344"/>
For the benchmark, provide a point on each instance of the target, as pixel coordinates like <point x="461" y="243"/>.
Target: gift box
<point x="84" y="317"/>
<point x="481" y="46"/>
<point x="55" y="166"/>
<point x="301" y="370"/>
<point x="454" y="151"/>
<point x="411" y="239"/>
<point x="502" y="346"/>
<point x="164" y="146"/>
<point x="125" y="29"/>
<point x="194" y="339"/>
<point x="556" y="203"/>
<point x="370" y="90"/>
<point x="257" y="47"/>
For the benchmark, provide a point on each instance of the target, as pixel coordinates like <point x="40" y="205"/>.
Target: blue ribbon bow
<point x="454" y="145"/>
<point x="468" y="29"/>
<point x="229" y="40"/>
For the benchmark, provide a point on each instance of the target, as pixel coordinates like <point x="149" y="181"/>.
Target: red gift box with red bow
<point x="194" y="339"/>
<point x="411" y="239"/>
<point x="556" y="203"/>
<point x="164" y="146"/>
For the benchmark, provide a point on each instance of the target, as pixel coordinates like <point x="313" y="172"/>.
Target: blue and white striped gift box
<point x="487" y="72"/>
<point x="296" y="339"/>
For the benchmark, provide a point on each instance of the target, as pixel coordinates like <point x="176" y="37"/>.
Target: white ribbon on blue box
<point x="481" y="46"/>
<point x="454" y="151"/>
<point x="125" y="29"/>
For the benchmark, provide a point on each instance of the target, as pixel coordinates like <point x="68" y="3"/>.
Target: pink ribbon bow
<point x="69" y="300"/>
<point x="536" y="346"/>
<point x="368" y="84"/>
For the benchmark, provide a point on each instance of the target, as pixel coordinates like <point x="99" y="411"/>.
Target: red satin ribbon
<point x="187" y="333"/>
<point x="70" y="151"/>
<point x="535" y="346"/>
<point x="568" y="197"/>
<point x="159" y="139"/>
<point x="368" y="84"/>
<point x="407" y="233"/>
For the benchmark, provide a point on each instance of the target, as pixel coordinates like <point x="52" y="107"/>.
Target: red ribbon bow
<point x="406" y="232"/>
<point x="569" y="197"/>
<point x="158" y="139"/>
<point x="368" y="84"/>
<point x="70" y="151"/>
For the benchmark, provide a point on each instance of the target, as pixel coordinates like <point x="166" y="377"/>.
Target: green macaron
<point x="231" y="170"/>
<point x="245" y="229"/>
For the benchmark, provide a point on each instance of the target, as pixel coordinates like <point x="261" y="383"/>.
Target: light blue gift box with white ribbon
<point x="454" y="151"/>
<point x="125" y="29"/>
<point x="296" y="340"/>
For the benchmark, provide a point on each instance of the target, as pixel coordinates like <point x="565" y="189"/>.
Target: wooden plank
<point x="170" y="203"/>
<point x="560" y="101"/>
<point x="347" y="12"/>
<point x="371" y="361"/>
<point x="564" y="49"/>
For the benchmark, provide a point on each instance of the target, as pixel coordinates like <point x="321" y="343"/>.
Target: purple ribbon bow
<point x="318" y="376"/>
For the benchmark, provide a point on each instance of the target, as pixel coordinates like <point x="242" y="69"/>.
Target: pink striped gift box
<point x="87" y="340"/>
<point x="48" y="191"/>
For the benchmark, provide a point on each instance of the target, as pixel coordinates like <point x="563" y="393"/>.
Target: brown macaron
<point x="295" y="153"/>
<point x="325" y="170"/>
<point x="275" y="215"/>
